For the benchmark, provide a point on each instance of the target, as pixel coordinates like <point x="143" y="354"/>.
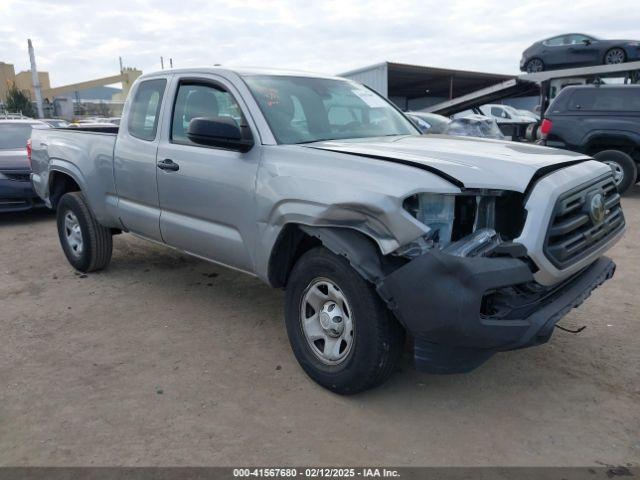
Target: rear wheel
<point x="622" y="165"/>
<point x="534" y="65"/>
<point x="340" y="331"/>
<point x="615" y="56"/>
<point x="86" y="244"/>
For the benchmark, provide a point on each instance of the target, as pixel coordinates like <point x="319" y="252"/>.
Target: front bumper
<point x="17" y="196"/>
<point x="633" y="53"/>
<point x="461" y="311"/>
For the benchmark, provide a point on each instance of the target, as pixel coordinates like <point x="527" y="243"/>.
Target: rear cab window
<point x="145" y="109"/>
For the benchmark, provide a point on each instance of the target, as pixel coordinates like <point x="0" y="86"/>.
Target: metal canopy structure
<point x="413" y="81"/>
<point x="404" y="83"/>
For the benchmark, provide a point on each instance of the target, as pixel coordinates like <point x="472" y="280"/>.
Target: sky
<point x="77" y="40"/>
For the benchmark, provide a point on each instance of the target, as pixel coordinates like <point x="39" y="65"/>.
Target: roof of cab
<point x="245" y="71"/>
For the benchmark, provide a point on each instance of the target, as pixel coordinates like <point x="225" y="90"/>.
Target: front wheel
<point x="340" y="331"/>
<point x="86" y="244"/>
<point x="623" y="167"/>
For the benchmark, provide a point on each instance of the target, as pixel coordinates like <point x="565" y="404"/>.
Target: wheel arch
<point x="360" y="250"/>
<point x="61" y="182"/>
<point x="600" y="141"/>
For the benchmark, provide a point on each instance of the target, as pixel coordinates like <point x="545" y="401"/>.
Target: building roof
<point x="413" y="80"/>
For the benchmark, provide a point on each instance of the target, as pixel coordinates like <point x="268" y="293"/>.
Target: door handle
<point x="168" y="164"/>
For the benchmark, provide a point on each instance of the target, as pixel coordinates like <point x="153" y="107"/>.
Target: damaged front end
<point x="467" y="290"/>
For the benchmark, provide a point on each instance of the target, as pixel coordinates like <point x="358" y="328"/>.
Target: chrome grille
<point x="575" y="230"/>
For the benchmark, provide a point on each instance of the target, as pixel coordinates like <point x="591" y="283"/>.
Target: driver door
<point x="207" y="196"/>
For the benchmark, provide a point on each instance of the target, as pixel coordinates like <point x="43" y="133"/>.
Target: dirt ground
<point x="168" y="360"/>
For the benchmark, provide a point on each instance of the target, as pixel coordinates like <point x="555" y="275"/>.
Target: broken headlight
<point x="465" y="224"/>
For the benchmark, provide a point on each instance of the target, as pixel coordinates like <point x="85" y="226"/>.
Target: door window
<point x="497" y="112"/>
<point x="554" y="42"/>
<point x="197" y="101"/>
<point x="145" y="109"/>
<point x="576" y="39"/>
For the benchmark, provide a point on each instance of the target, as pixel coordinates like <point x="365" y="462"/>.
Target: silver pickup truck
<point x="320" y="186"/>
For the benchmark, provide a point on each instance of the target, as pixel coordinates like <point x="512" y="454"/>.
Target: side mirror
<point x="222" y="132"/>
<point x="586" y="41"/>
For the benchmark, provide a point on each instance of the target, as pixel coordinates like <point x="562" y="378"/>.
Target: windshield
<point x="306" y="109"/>
<point x="14" y="135"/>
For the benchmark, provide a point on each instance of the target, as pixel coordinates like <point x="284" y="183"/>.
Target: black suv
<point x="602" y="121"/>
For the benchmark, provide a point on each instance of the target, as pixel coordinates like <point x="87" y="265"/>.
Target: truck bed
<point x="84" y="154"/>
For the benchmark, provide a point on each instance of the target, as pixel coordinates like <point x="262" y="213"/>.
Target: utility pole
<point x="162" y="63"/>
<point x="120" y="59"/>
<point x="35" y="79"/>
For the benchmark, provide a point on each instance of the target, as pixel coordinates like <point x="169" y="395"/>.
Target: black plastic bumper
<point x="16" y="196"/>
<point x="461" y="311"/>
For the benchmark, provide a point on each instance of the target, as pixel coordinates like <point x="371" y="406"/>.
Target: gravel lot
<point x="167" y="360"/>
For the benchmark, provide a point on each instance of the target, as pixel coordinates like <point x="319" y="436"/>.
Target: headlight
<point x="436" y="211"/>
<point x="477" y="216"/>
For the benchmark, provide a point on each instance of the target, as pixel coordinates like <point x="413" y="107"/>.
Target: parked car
<point x="601" y="121"/>
<point x="16" y="192"/>
<point x="114" y="120"/>
<point x="474" y="125"/>
<point x="533" y="117"/>
<point x="429" y="122"/>
<point x="505" y="114"/>
<point x="322" y="187"/>
<point x="577" y="49"/>
<point x="56" y="122"/>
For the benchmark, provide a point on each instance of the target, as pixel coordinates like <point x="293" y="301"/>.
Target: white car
<point x="505" y="114"/>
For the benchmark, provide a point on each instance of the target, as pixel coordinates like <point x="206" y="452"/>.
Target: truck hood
<point x="466" y="162"/>
<point x="14" y="160"/>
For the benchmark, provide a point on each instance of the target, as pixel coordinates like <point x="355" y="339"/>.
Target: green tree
<point x="18" y="101"/>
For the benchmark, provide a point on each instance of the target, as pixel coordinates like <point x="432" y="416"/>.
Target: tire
<point x="615" y="56"/>
<point x="534" y="65"/>
<point x="86" y="244"/>
<point x="624" y="168"/>
<point x="372" y="353"/>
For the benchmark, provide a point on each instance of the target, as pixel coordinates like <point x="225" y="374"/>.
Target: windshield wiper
<point x="316" y="140"/>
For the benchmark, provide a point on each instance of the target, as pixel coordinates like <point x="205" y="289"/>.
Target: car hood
<point x="14" y="160"/>
<point x="466" y="162"/>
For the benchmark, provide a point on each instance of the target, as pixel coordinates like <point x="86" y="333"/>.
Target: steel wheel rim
<point x="534" y="65"/>
<point x="615" y="56"/>
<point x="618" y="173"/>
<point x="326" y="320"/>
<point x="73" y="234"/>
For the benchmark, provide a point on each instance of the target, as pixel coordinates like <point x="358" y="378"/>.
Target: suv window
<point x="145" y="109"/>
<point x="197" y="100"/>
<point x="605" y="99"/>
